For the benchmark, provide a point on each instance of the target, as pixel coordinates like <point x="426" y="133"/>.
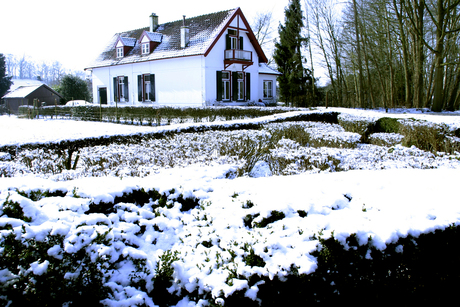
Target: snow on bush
<point x="179" y="221"/>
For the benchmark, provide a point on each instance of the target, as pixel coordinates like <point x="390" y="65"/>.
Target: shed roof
<point x="24" y="91"/>
<point x="265" y="69"/>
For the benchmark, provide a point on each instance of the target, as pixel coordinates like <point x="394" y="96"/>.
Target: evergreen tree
<point x="73" y="88"/>
<point x="295" y="81"/>
<point x="5" y="82"/>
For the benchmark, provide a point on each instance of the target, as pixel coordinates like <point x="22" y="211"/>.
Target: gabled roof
<point x="24" y="91"/>
<point x="205" y="30"/>
<point x="127" y="41"/>
<point x="24" y="82"/>
<point x="152" y="36"/>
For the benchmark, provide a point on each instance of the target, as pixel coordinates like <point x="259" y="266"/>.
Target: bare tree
<point x="262" y="27"/>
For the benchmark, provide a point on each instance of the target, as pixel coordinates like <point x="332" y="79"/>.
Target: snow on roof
<point x="265" y="69"/>
<point x="203" y="31"/>
<point x="24" y="82"/>
<point x="22" y="91"/>
<point x="154" y="36"/>
<point x="128" y="41"/>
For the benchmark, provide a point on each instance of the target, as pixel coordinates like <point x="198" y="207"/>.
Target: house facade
<point x="205" y="60"/>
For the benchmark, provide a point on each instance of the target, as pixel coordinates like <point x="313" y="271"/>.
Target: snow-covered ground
<point x="380" y="194"/>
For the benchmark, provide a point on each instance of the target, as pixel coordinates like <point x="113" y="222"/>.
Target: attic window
<point x="119" y="52"/>
<point x="232" y="32"/>
<point x="145" y="48"/>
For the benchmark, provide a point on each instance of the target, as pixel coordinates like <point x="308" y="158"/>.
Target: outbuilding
<point x="42" y="94"/>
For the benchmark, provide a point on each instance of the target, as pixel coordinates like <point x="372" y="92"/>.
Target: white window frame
<point x="268" y="89"/>
<point x="226" y="88"/>
<point x="147" y="88"/>
<point x="121" y="88"/>
<point x="119" y="52"/>
<point x="241" y="88"/>
<point x="145" y="48"/>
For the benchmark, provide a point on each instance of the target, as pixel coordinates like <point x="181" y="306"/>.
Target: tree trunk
<point x="405" y="53"/>
<point x="360" y="64"/>
<point x="438" y="94"/>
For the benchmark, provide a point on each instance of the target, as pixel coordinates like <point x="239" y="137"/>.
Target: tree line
<point x="24" y="67"/>
<point x="377" y="54"/>
<point x="72" y="86"/>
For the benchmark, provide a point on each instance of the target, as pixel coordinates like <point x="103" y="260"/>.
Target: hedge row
<point x="147" y="115"/>
<point x="415" y="270"/>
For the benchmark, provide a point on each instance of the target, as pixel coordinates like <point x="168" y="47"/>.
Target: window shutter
<point x="228" y="42"/>
<point x="241" y="43"/>
<point x="234" y="85"/>
<point x="139" y="88"/>
<point x="126" y="89"/>
<point x="152" y="87"/>
<point x="219" y="85"/>
<point x="248" y="86"/>
<point x="115" y="89"/>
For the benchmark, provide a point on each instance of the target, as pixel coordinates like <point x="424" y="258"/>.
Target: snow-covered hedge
<point x="193" y="238"/>
<point x="148" y="115"/>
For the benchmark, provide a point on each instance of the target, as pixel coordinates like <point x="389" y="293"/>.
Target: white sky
<point x="74" y="32"/>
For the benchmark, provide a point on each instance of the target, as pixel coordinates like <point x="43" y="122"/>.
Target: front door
<point x="103" y="95"/>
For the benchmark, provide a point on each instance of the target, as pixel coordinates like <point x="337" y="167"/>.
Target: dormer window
<point x="145" y="48"/>
<point x="119" y="52"/>
<point x="149" y="41"/>
<point x="124" y="45"/>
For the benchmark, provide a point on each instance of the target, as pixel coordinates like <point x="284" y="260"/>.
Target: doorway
<point x="102" y="95"/>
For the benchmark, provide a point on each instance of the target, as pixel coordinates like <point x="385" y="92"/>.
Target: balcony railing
<point x="238" y="55"/>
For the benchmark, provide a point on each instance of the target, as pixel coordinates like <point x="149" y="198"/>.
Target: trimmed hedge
<point x="150" y="115"/>
<point x="412" y="271"/>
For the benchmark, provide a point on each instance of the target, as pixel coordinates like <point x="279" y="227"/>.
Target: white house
<point x="208" y="59"/>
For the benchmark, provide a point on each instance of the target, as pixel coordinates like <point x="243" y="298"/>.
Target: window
<point x="233" y="41"/>
<point x="119" y="52"/>
<point x="145" y="48"/>
<point x="268" y="89"/>
<point x="226" y="85"/>
<point x="146" y="87"/>
<point x="233" y="86"/>
<point x="120" y="89"/>
<point x="240" y="85"/>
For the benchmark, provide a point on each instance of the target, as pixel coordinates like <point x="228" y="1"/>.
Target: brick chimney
<point x="153" y="22"/>
<point x="184" y="35"/>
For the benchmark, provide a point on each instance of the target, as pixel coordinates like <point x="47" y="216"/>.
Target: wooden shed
<point x="25" y="95"/>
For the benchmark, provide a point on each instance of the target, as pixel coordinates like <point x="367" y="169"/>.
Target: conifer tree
<point x="5" y="82"/>
<point x="295" y="79"/>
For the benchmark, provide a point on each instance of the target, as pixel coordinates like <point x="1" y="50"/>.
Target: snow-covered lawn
<point x="279" y="214"/>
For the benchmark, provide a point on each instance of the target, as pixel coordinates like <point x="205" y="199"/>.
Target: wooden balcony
<point x="236" y="56"/>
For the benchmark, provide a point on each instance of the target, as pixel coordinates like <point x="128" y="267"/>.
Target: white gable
<point x="145" y="39"/>
<point x="238" y="23"/>
<point x="119" y="44"/>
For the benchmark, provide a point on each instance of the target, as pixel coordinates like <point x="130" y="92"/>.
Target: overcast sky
<point x="74" y="32"/>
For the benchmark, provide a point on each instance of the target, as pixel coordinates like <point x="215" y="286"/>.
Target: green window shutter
<point x="241" y="43"/>
<point x="115" y="89"/>
<point x="219" y="85"/>
<point x="248" y="86"/>
<point x="126" y="89"/>
<point x="139" y="88"/>
<point x="152" y="87"/>
<point x="234" y="85"/>
<point x="228" y="42"/>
